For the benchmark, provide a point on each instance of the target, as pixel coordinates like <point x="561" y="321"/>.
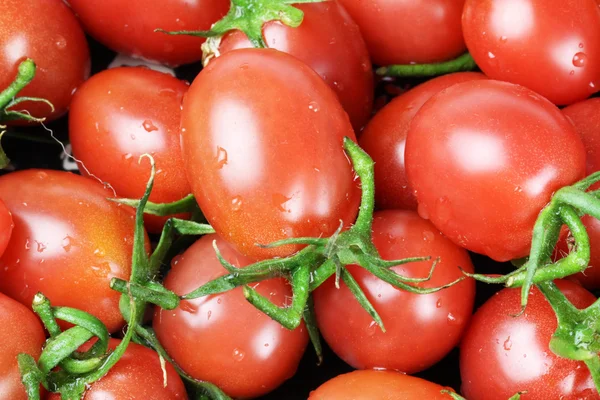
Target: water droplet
<point x="99" y="253"/>
<point x="313" y="106"/>
<point x="366" y="66"/>
<point x="379" y="295"/>
<point x="332" y="40"/>
<point x="61" y="42"/>
<point x="221" y="158"/>
<point x="428" y="236"/>
<point x="279" y="200"/>
<point x="507" y="344"/>
<point x="188" y="307"/>
<point x="503" y="39"/>
<point x="42" y="175"/>
<point x="238" y="355"/>
<point x="439" y="303"/>
<point x="67" y="243"/>
<point x="127" y="156"/>
<point x="443" y="209"/>
<point x="339" y="86"/>
<point x="219" y="300"/>
<point x="244" y="67"/>
<point x="451" y="318"/>
<point x="593" y="86"/>
<point x="581" y="45"/>
<point x="518" y="189"/>
<point x="423" y="211"/>
<point x="27" y="244"/>
<point x="580" y="59"/>
<point x="572" y="73"/>
<point x="266" y="344"/>
<point x="176" y="259"/>
<point x="24" y="204"/>
<point x="236" y="203"/>
<point x="132" y="136"/>
<point x="149" y="126"/>
<point x="208" y="315"/>
<point x="41" y="247"/>
<point x="491" y="55"/>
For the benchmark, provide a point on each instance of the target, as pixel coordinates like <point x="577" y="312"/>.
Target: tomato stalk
<point x="463" y="63"/>
<point x="456" y="396"/>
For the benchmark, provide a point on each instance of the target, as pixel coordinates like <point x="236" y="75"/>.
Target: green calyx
<point x="463" y="63"/>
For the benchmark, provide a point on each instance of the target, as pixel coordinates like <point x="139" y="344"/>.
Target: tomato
<point x="329" y="41"/>
<point x="549" y="46"/>
<point x="484" y="157"/>
<point x="404" y="32"/>
<point x="68" y="242"/>
<point x="384" y="138"/>
<point x="264" y="158"/>
<point x="47" y="32"/>
<point x="122" y="113"/>
<point x="378" y="385"/>
<point x="128" y="26"/>
<point x="222" y="338"/>
<point x="6" y="227"/>
<point x="501" y="355"/>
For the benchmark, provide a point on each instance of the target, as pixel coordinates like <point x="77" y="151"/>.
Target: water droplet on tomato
<point x="127" y="156"/>
<point x="266" y="344"/>
<point x="99" y="253"/>
<point x="332" y="40"/>
<point x="423" y="211"/>
<point x="67" y="243"/>
<point x="149" y="126"/>
<point x="518" y="189"/>
<point x="132" y="136"/>
<point x="41" y="247"/>
<point x="236" y="203"/>
<point x="238" y="355"/>
<point x="244" y="67"/>
<point x="491" y="55"/>
<point x="61" y="42"/>
<point x="188" y="307"/>
<point x="221" y="158"/>
<point x="27" y="244"/>
<point x="219" y="300"/>
<point x="452" y="319"/>
<point x="507" y="344"/>
<point x="443" y="209"/>
<point x="592" y="86"/>
<point x="339" y="86"/>
<point x="438" y="304"/>
<point x="313" y="106"/>
<point x="208" y="315"/>
<point x="503" y="39"/>
<point x="572" y="73"/>
<point x="176" y="260"/>
<point x="428" y="236"/>
<point x="279" y="200"/>
<point x="581" y="45"/>
<point x="42" y="175"/>
<point x="580" y="59"/>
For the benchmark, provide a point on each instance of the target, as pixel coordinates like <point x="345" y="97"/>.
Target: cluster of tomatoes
<point x="325" y="211"/>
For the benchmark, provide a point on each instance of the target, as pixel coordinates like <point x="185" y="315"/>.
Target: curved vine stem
<point x="463" y="63"/>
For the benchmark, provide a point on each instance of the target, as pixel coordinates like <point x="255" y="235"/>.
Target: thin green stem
<point x="463" y="63"/>
<point x="25" y="74"/>
<point x="310" y="320"/>
<point x="364" y="167"/>
<point x="361" y="297"/>
<point x="185" y="205"/>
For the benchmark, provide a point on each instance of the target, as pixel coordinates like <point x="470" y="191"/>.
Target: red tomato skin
<point x="47" y="32"/>
<point x="484" y="158"/>
<point x="242" y="350"/>
<point x="412" y="341"/>
<point x="6" y="227"/>
<point x="122" y="113"/>
<point x="330" y="42"/>
<point x="409" y="31"/>
<point x="549" y="46"/>
<point x="501" y="355"/>
<point x="260" y="175"/>
<point x="384" y="139"/>
<point x="68" y="242"/>
<point x="128" y="26"/>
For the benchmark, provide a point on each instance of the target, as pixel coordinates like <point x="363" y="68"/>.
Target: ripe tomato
<point x="378" y="385"/>
<point x="47" y="32"/>
<point x="20" y="332"/>
<point x="68" y="242"/>
<point x="549" y="46"/>
<point x="384" y="138"/>
<point x="222" y="338"/>
<point x="6" y="227"/>
<point x="265" y="158"/>
<point x="128" y="26"/>
<point x="329" y="41"/>
<point x="484" y="157"/>
<point x="501" y="355"/>
<point x="122" y="113"/>
<point x="403" y="32"/>
<point x="413" y="322"/>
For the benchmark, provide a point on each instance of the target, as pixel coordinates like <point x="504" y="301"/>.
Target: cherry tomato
<point x="68" y="242"/>
<point x="329" y="41"/>
<point x="47" y="32"/>
<point x="122" y="113"/>
<point x="403" y="32"/>
<point x="549" y="46"/>
<point x="265" y="158"/>
<point x="128" y="26"/>
<point x="6" y="227"/>
<point x="384" y="138"/>
<point x="501" y="355"/>
<point x="241" y="350"/>
<point x="484" y="158"/>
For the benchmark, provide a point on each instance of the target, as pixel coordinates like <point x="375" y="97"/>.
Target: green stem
<point x="25" y="74"/>
<point x="364" y="167"/>
<point x="156" y="294"/>
<point x="186" y="205"/>
<point x="463" y="63"/>
<point x="593" y="365"/>
<point x="310" y="320"/>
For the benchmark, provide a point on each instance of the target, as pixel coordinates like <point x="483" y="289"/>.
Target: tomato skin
<point x="549" y="46"/>
<point x="384" y="139"/>
<point x="47" y="32"/>
<point x="125" y="28"/>
<point x="470" y="158"/>
<point x="260" y="175"/>
<point x="242" y="350"/>
<point x="501" y="355"/>
<point x="122" y="113"/>
<point x="68" y="242"/>
<point x="413" y="322"/>
<point x="6" y="227"/>
<point x="330" y="42"/>
<point x="414" y="31"/>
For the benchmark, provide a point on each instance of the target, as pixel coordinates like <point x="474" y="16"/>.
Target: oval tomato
<point x="484" y="158"/>
<point x="222" y="338"/>
<point x="384" y="138"/>
<point x="549" y="46"/>
<point x="47" y="32"/>
<point x="264" y="158"/>
<point x="501" y="355"/>
<point x="122" y="113"/>
<point x="6" y="227"/>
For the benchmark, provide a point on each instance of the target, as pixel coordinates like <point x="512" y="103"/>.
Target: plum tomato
<point x="484" y="157"/>
<point x="241" y="350"/>
<point x="6" y="227"/>
<point x="549" y="46"/>
<point x="265" y="157"/>
<point x="384" y="139"/>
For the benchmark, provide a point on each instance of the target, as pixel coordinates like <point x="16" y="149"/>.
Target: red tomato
<point x="265" y="158"/>
<point x="550" y="46"/>
<point x="241" y="350"/>
<point x="47" y="32"/>
<point x="128" y="26"/>
<point x="484" y="157"/>
<point x="501" y="355"/>
<point x="378" y="385"/>
<point x="329" y="41"/>
<point x="122" y="113"/>
<point x="384" y="138"/>
<point x="68" y="242"/>
<point x="20" y="332"/>
<point x="414" y="31"/>
<point x="6" y="227"/>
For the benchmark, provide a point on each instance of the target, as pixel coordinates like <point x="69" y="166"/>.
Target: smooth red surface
<point x="264" y="158"/>
<point x="501" y="355"/>
<point x="384" y="139"/>
<point x="484" y="158"/>
<point x="6" y="227"/>
<point x="122" y="113"/>
<point x="550" y="46"/>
